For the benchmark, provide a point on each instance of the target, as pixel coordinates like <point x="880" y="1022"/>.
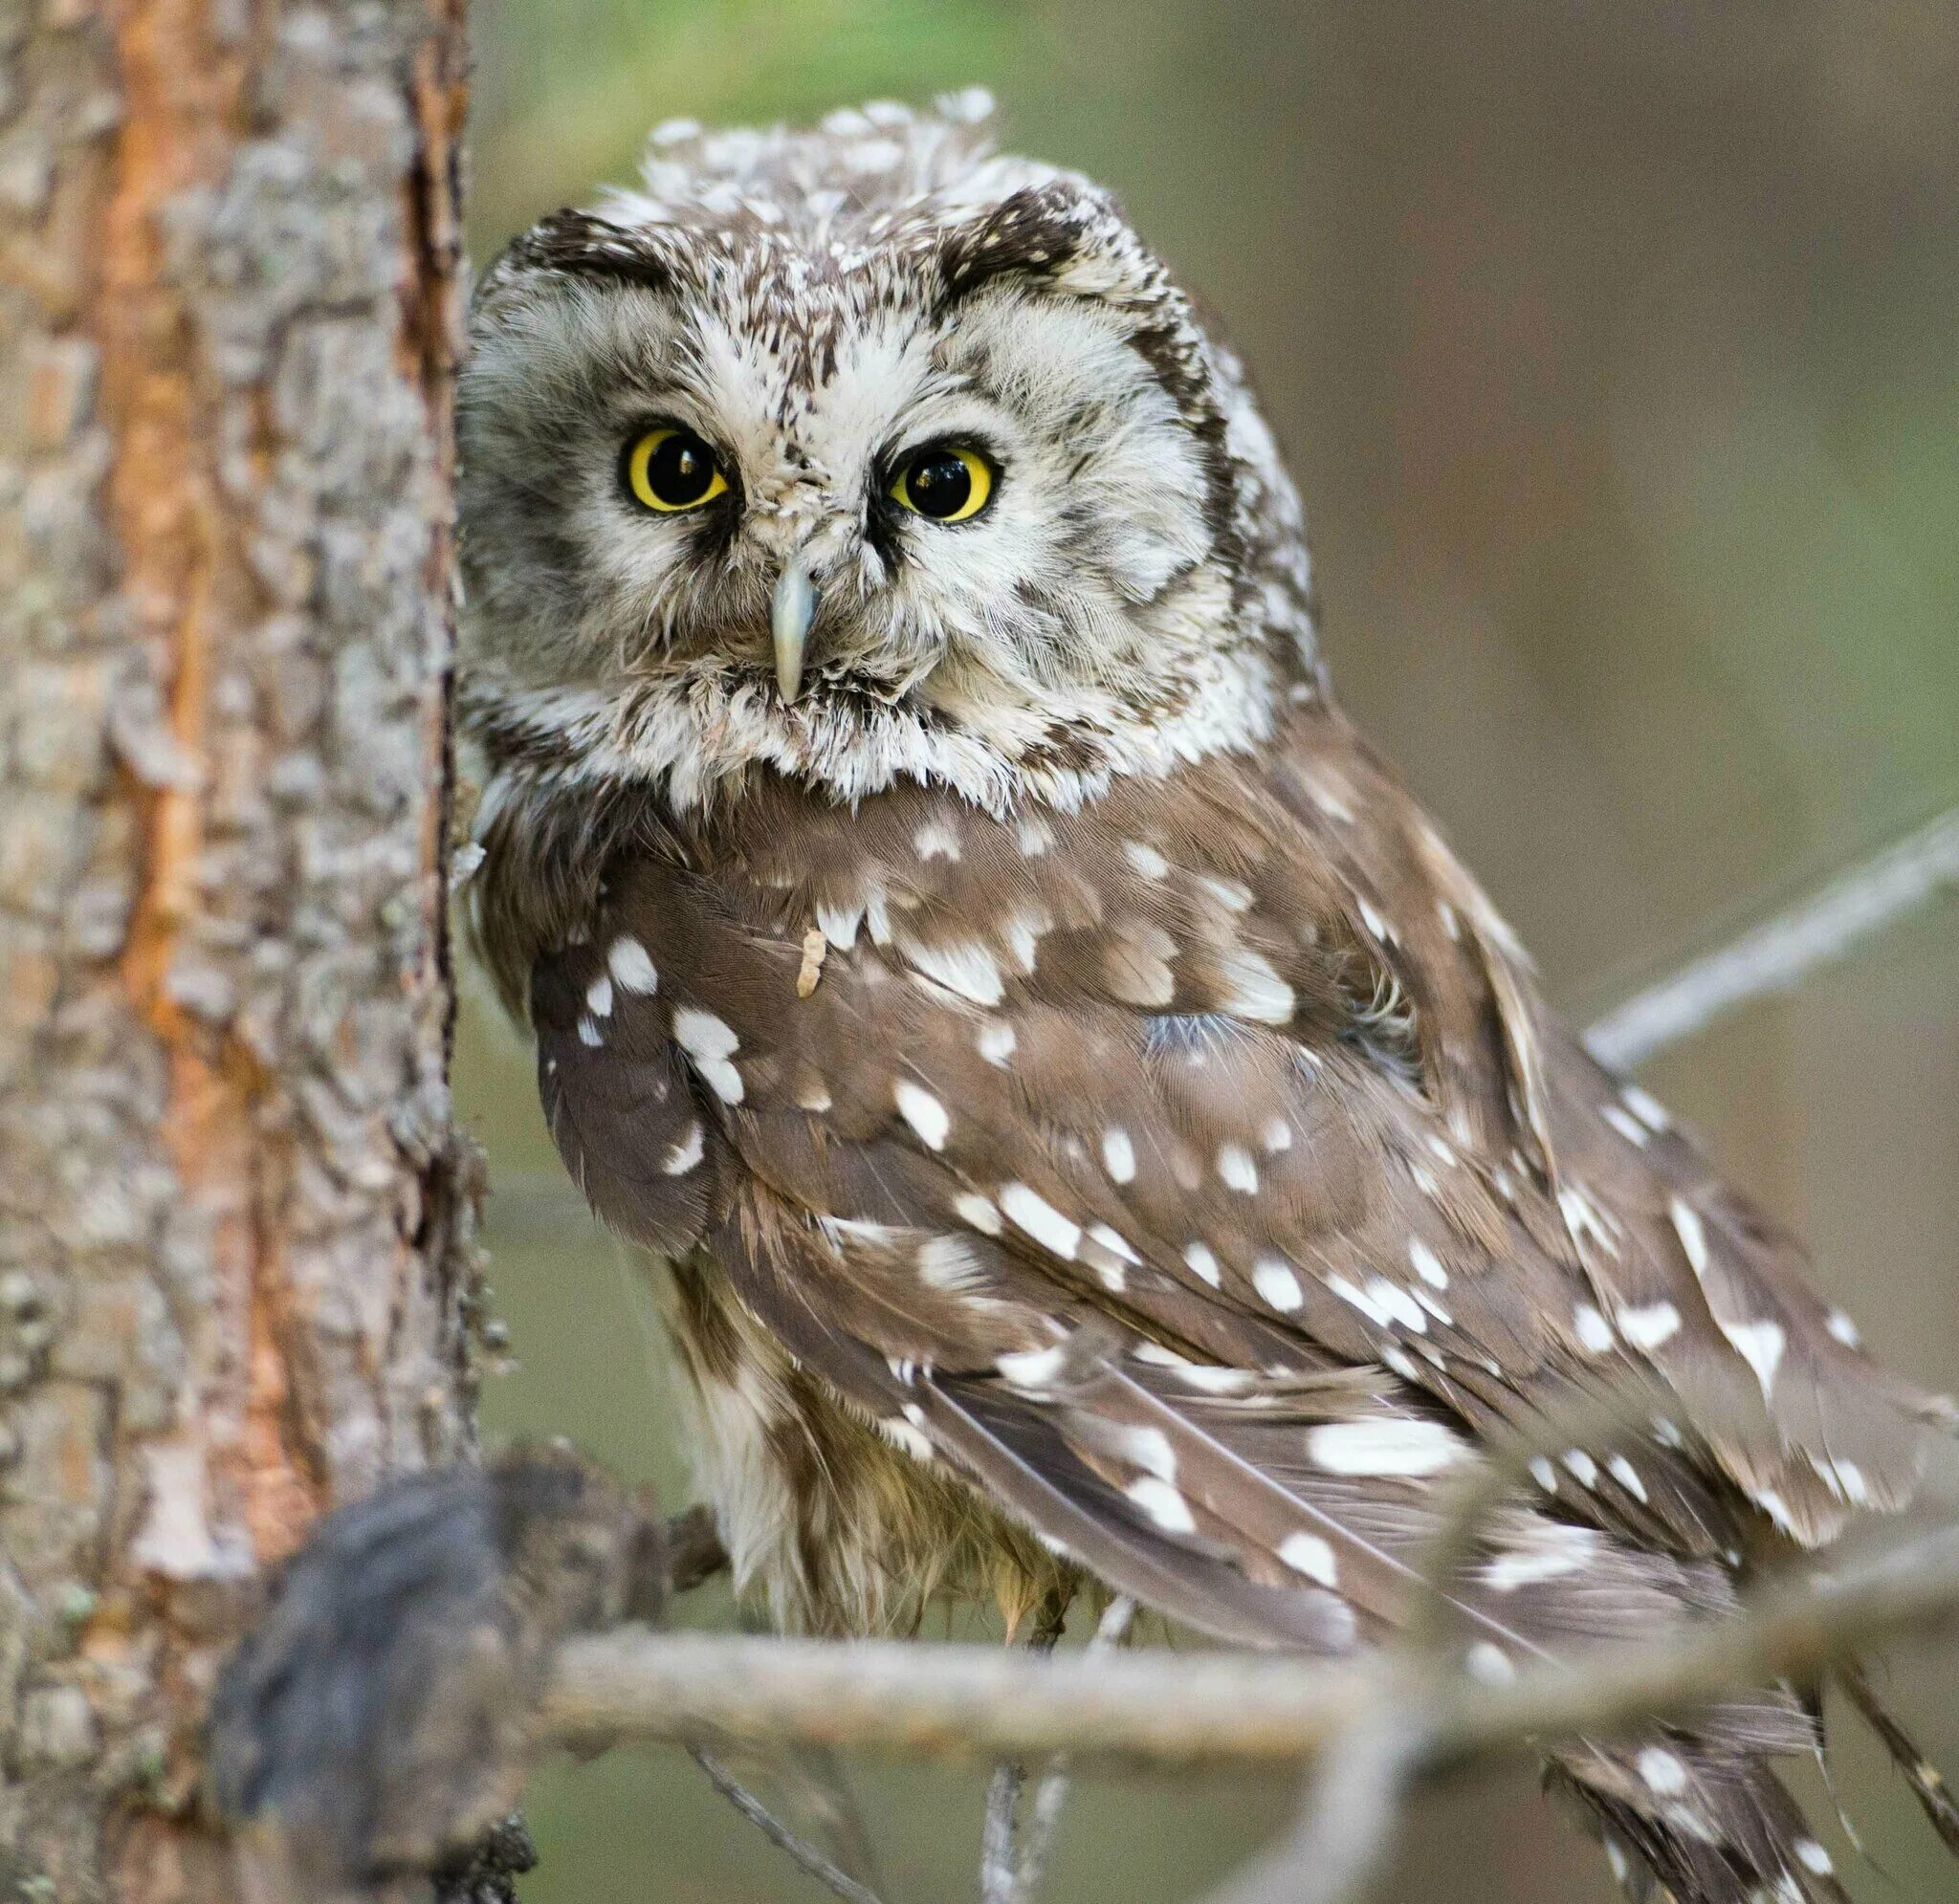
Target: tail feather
<point x="1918" y="1771"/>
<point x="1687" y="1821"/>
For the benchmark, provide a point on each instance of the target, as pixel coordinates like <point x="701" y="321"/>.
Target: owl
<point x="1099" y="1136"/>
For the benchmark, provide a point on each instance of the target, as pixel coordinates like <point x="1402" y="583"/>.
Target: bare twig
<point x="1179" y="1710"/>
<point x="1347" y="1824"/>
<point x="1467" y="1498"/>
<point x="999" y="1838"/>
<point x="1816" y="931"/>
<point x="1051" y="1794"/>
<point x="799" y="1851"/>
<point x="1002" y="1876"/>
<point x="1350" y="1813"/>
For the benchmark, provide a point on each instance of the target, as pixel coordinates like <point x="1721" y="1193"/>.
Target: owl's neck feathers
<point x="698" y="739"/>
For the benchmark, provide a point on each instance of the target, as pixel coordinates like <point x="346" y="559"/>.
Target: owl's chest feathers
<point x="839" y="1525"/>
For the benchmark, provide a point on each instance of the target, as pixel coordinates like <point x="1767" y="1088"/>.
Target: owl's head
<point x="859" y="454"/>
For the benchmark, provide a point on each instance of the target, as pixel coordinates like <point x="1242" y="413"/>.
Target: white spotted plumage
<point x="1097" y="1127"/>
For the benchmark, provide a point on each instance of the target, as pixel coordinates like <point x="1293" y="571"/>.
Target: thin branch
<point x="1818" y="930"/>
<point x="1180" y="1710"/>
<point x="999" y="1881"/>
<point x="1466" y="1499"/>
<point x="1002" y="1864"/>
<point x="1052" y="1794"/>
<point x="799" y="1851"/>
<point x="1348" y="1818"/>
<point x="1347" y="1825"/>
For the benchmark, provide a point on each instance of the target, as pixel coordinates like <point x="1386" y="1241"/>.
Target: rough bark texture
<point x="234" y="1247"/>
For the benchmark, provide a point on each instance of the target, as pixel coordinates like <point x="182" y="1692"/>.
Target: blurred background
<point x="1614" y="347"/>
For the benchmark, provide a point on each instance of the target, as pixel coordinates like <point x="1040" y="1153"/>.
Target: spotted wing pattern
<point x="1199" y="1176"/>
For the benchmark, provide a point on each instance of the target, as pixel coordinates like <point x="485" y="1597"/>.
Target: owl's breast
<point x="839" y="1524"/>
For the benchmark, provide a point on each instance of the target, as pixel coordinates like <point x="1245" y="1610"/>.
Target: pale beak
<point x="790" y="615"/>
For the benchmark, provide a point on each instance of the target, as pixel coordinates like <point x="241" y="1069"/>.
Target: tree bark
<point x="235" y="1254"/>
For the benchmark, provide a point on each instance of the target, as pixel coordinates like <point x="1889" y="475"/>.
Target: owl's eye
<point x="945" y="482"/>
<point x="670" y="470"/>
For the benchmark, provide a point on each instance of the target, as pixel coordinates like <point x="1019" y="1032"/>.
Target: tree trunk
<point x="234" y="1220"/>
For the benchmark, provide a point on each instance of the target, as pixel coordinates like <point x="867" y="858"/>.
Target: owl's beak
<point x="790" y="614"/>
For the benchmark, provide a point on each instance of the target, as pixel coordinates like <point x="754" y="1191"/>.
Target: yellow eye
<point x="944" y="482"/>
<point x="670" y="469"/>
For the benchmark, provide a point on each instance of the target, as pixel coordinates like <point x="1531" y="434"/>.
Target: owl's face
<point x="934" y="478"/>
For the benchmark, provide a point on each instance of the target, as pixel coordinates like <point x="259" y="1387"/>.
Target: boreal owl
<point x="1098" y="1131"/>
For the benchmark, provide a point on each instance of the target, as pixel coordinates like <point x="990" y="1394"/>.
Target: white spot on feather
<point x="839" y="924"/>
<point x="936" y="840"/>
<point x="1396" y="1302"/>
<point x="1583" y="1468"/>
<point x="1760" y="1344"/>
<point x="1252" y="988"/>
<point x="1032" y="1213"/>
<point x="1114" y="1241"/>
<point x="946" y="1263"/>
<point x="1235" y="1168"/>
<point x="1384" y="1447"/>
<point x="1203" y="1262"/>
<point x="1627" y="1477"/>
<point x="1845" y="1479"/>
<point x="1230" y="893"/>
<point x="1163" y="1504"/>
<point x="981" y="1211"/>
<point x="1554" y="1550"/>
<point x="964" y="967"/>
<point x="901" y="1435"/>
<point x="1840" y="1325"/>
<point x="1118" y="1154"/>
<point x="1646" y="1107"/>
<point x="1626" y="1125"/>
<point x="1594" y="1331"/>
<point x="1351" y="1292"/>
<point x="1584" y="1219"/>
<point x="1662" y="1772"/>
<point x="996" y="1041"/>
<point x="711" y="1042"/>
<point x="1149" y="1449"/>
<point x="1692" y="1233"/>
<point x="1426" y="1264"/>
<point x="923" y="1113"/>
<point x="1032" y="1367"/>
<point x="599" y="996"/>
<point x="632" y="969"/>
<point x="1310" y="1555"/>
<point x="1276" y="1283"/>
<point x="1033" y="837"/>
<point x="682" y="1156"/>
<point x="1145" y="859"/>
<point x="1024" y="938"/>
<point x="1490" y="1663"/>
<point x="1812" y="1856"/>
<point x="1649" y="1327"/>
<point x="589" y="1032"/>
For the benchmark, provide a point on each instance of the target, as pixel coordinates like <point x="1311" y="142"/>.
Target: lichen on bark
<point x="234" y="1219"/>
